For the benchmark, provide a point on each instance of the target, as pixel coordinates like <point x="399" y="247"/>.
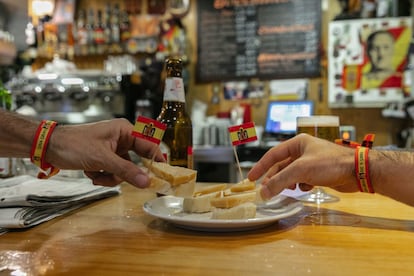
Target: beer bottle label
<point x="82" y="37"/>
<point x="190" y="158"/>
<point x="165" y="151"/>
<point x="174" y="90"/>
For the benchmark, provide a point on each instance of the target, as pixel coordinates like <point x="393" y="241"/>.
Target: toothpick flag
<point x="242" y="134"/>
<point x="149" y="129"/>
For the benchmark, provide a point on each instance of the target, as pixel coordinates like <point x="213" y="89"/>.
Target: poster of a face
<point x="367" y="62"/>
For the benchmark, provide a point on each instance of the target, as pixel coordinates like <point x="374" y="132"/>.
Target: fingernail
<point x="141" y="181"/>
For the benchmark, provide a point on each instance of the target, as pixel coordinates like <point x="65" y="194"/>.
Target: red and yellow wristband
<point x="362" y="170"/>
<point x="367" y="142"/>
<point x="39" y="146"/>
<point x="361" y="161"/>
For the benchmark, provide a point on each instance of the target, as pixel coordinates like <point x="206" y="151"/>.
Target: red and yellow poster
<point x="367" y="62"/>
<point x="385" y="56"/>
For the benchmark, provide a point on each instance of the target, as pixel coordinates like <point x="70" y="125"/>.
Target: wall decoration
<point x="289" y="89"/>
<point x="367" y="61"/>
<point x="64" y="11"/>
<point x="238" y="90"/>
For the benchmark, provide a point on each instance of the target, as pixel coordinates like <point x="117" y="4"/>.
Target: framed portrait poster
<point x="367" y="62"/>
<point x="64" y="11"/>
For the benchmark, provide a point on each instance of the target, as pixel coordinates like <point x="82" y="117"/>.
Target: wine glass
<point x="325" y="127"/>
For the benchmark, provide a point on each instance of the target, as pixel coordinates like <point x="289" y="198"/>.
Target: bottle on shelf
<point x="178" y="136"/>
<point x="40" y="30"/>
<point x="99" y="33"/>
<point x="30" y="31"/>
<point x="81" y="34"/>
<point x="31" y="39"/>
<point x="124" y="26"/>
<point x="107" y="24"/>
<point x="6" y="163"/>
<point x="115" y="46"/>
<point x="90" y="23"/>
<point x="115" y="32"/>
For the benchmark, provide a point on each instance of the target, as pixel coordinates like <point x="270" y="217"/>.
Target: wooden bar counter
<point x="362" y="234"/>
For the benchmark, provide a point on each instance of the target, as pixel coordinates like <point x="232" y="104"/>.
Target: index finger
<point x="285" y="150"/>
<point x="126" y="171"/>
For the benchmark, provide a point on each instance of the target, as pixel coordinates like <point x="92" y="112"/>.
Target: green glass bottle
<point x="6" y="164"/>
<point x="5" y="98"/>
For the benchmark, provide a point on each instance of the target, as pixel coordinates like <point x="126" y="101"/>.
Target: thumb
<point x="129" y="172"/>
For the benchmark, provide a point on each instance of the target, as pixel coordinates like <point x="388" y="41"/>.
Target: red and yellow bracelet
<point x="361" y="161"/>
<point x="362" y="170"/>
<point x="39" y="146"/>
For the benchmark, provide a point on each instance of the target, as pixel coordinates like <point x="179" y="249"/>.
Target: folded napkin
<point x="26" y="201"/>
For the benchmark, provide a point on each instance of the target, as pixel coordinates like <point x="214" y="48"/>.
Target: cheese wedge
<point x="170" y="180"/>
<point x="230" y="201"/>
<point x="172" y="174"/>
<point x="243" y="211"/>
<point x="242" y="186"/>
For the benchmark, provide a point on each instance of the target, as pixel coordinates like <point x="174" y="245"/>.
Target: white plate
<point x="170" y="208"/>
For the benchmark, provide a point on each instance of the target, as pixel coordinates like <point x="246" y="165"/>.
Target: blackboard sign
<point x="272" y="39"/>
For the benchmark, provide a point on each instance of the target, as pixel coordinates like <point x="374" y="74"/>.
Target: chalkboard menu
<point x="267" y="39"/>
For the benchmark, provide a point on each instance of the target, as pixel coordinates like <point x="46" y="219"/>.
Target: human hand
<point x="101" y="150"/>
<point x="307" y="160"/>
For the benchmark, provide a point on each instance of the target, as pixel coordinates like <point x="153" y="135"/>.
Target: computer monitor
<point x="281" y="116"/>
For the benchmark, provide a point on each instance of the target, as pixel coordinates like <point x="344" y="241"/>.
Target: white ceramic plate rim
<point x="169" y="208"/>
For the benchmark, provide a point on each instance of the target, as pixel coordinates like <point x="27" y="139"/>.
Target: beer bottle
<point x="99" y="34"/>
<point x="81" y="34"/>
<point x="178" y="136"/>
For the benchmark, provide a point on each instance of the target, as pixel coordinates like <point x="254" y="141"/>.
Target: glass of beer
<point x="325" y="127"/>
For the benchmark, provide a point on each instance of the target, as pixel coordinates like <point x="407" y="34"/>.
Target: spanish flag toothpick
<point x="149" y="129"/>
<point x="242" y="134"/>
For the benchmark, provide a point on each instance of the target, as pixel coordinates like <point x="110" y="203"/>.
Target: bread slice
<point x="174" y="175"/>
<point x="199" y="204"/>
<point x="243" y="211"/>
<point x="159" y="185"/>
<point x="237" y="202"/>
<point x="162" y="186"/>
<point x="232" y="200"/>
<point x="242" y="186"/>
<point x="209" y="189"/>
<point x="185" y="189"/>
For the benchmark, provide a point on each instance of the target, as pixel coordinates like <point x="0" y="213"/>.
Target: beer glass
<point x="325" y="127"/>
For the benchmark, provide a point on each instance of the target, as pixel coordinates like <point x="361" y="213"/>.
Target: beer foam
<point x="318" y="120"/>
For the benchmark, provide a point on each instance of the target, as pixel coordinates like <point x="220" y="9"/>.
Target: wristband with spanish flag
<point x="39" y="146"/>
<point x="362" y="170"/>
<point x="361" y="161"/>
